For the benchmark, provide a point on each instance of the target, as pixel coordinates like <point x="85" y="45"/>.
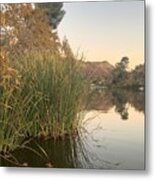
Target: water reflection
<point x="104" y="141"/>
<point x="118" y="98"/>
<point x="113" y="143"/>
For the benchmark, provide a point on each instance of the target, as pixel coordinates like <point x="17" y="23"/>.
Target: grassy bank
<point x="39" y="96"/>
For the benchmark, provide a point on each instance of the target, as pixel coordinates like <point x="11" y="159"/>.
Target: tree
<point x="137" y="77"/>
<point x="118" y="76"/>
<point x="66" y="49"/>
<point x="123" y="64"/>
<point x="53" y="11"/>
<point x="26" y="28"/>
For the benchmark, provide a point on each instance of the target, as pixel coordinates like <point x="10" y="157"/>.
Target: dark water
<point x="110" y="136"/>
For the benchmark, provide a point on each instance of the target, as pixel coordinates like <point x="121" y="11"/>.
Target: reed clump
<point x="39" y="96"/>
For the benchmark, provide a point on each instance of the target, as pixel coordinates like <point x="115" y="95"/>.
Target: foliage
<point x="53" y="11"/>
<point x="42" y="98"/>
<point x="119" y="74"/>
<point x="136" y="77"/>
<point x="24" y="28"/>
<point x="41" y="85"/>
<point x="120" y="77"/>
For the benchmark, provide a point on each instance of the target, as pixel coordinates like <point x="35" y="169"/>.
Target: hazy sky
<point x="105" y="30"/>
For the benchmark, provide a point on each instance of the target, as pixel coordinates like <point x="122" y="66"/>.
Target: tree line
<point x="120" y="77"/>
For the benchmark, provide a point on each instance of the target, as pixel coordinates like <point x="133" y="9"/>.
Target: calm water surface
<point x="110" y="136"/>
<point x="110" y="142"/>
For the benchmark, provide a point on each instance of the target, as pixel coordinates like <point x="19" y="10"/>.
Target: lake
<point x="110" y="136"/>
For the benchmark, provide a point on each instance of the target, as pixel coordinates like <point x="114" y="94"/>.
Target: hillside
<point x="96" y="71"/>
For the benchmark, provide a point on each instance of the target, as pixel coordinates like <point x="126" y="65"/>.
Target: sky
<point x="105" y="30"/>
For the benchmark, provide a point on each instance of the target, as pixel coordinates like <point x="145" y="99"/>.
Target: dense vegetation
<point x="41" y="85"/>
<point x="103" y="74"/>
<point x="121" y="78"/>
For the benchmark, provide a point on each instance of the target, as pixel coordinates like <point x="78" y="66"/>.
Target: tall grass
<point x="39" y="95"/>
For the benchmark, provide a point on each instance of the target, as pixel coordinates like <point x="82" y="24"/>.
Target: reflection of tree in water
<point x="134" y="98"/>
<point x="120" y="100"/>
<point x="137" y="100"/>
<point x="122" y="97"/>
<point x="123" y="111"/>
<point x="106" y="99"/>
<point x="99" y="100"/>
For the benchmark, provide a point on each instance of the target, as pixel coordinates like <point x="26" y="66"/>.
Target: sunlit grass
<point x="39" y="96"/>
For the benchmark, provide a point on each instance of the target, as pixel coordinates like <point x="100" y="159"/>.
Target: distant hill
<point x="96" y="71"/>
